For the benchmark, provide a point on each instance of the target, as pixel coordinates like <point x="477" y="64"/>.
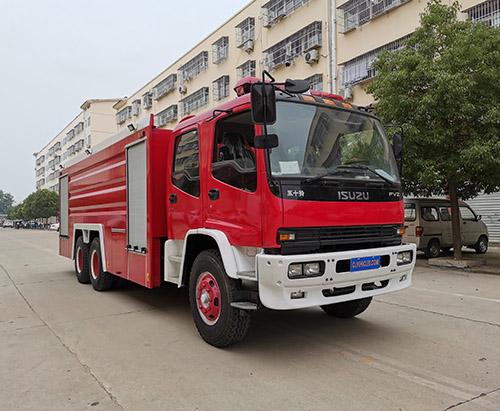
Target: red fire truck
<point x="277" y="199"/>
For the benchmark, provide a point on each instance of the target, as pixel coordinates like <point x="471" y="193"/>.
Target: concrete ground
<point x="63" y="346"/>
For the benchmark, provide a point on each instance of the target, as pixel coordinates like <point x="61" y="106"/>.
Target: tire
<point x="100" y="279"/>
<point x="347" y="309"/>
<point x="481" y="245"/>
<point x="211" y="292"/>
<point x="82" y="261"/>
<point x="433" y="249"/>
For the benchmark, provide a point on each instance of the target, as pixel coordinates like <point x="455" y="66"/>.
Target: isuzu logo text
<point x="354" y="195"/>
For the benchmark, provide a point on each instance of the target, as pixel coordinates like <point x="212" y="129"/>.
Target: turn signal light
<point x="287" y="237"/>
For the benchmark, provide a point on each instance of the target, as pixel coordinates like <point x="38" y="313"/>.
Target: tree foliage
<point x="40" y="204"/>
<point x="6" y="201"/>
<point x="444" y="86"/>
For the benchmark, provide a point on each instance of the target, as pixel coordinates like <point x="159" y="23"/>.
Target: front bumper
<point x="279" y="292"/>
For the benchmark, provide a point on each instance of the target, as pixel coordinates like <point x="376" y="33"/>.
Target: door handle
<point x="213" y="194"/>
<point x="173" y="198"/>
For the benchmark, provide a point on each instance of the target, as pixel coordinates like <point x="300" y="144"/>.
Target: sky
<point x="56" y="54"/>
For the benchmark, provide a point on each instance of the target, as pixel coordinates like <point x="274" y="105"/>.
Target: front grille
<point x="323" y="239"/>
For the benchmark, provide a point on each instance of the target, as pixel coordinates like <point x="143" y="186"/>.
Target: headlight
<point x="404" y="257"/>
<point x="303" y="270"/>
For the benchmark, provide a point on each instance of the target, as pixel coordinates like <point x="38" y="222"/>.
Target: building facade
<point x="94" y="124"/>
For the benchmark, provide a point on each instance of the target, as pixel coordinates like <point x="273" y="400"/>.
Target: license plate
<point x="365" y="263"/>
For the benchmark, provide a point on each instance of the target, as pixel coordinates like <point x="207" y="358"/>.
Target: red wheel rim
<point x="94" y="267"/>
<point x="79" y="259"/>
<point x="208" y="298"/>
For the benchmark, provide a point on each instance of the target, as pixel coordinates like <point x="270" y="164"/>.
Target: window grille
<point x="165" y="86"/>
<point x="193" y="67"/>
<point x="221" y="88"/>
<point x="88" y="141"/>
<point x="220" y="50"/>
<point x="123" y="115"/>
<point x="361" y="68"/>
<point x="194" y="101"/>
<point x="87" y="122"/>
<point x="355" y="13"/>
<point x="166" y="116"/>
<point x="136" y="107"/>
<point x="316" y="82"/>
<point x="79" y="128"/>
<point x="147" y="100"/>
<point x="245" y="31"/>
<point x="275" y="10"/>
<point x="487" y="12"/>
<point x="294" y="46"/>
<point x="70" y="135"/>
<point x="246" y="69"/>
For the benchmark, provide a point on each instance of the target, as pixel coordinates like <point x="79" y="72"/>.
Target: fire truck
<point x="282" y="198"/>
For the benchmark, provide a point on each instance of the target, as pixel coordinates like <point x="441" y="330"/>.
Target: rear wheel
<point x="82" y="261"/>
<point x="433" y="249"/>
<point x="347" y="309"/>
<point x="211" y="293"/>
<point x="100" y="279"/>
<point x="482" y="245"/>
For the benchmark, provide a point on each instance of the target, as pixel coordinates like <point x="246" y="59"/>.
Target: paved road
<point x="64" y="346"/>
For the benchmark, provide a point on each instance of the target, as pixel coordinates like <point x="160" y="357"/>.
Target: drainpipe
<point x="332" y="46"/>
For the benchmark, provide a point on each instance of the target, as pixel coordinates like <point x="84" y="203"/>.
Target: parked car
<point x="54" y="227"/>
<point x="8" y="223"/>
<point x="428" y="224"/>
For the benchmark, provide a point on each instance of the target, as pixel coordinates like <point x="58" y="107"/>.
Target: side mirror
<point x="397" y="146"/>
<point x="478" y="217"/>
<point x="263" y="100"/>
<point x="266" y="141"/>
<point x="296" y="86"/>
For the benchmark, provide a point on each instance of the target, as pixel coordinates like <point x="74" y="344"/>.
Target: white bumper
<point x="279" y="292"/>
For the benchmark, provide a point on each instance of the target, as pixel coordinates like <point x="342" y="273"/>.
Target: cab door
<point x="472" y="228"/>
<point x="184" y="202"/>
<point x="232" y="193"/>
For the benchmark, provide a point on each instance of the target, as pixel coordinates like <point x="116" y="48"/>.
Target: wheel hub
<point x="208" y="298"/>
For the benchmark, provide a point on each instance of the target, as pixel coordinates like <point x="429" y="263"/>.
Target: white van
<point x="428" y="224"/>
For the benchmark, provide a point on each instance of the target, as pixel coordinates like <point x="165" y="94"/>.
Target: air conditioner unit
<point x="311" y="56"/>
<point x="248" y="46"/>
<point x="182" y="89"/>
<point x="346" y="93"/>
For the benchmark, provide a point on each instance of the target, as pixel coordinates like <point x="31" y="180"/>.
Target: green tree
<point x="6" y="200"/>
<point x="444" y="85"/>
<point x="41" y="204"/>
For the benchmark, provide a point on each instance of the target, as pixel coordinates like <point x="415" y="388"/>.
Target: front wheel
<point x="211" y="293"/>
<point x="482" y="245"/>
<point x="347" y="309"/>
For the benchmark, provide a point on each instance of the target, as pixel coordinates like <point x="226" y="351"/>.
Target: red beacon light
<point x="324" y="94"/>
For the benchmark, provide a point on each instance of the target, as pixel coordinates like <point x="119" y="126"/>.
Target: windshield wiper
<point x="321" y="176"/>
<point x="363" y="167"/>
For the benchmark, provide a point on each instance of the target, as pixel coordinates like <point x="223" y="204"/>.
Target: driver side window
<point x="234" y="155"/>
<point x="186" y="170"/>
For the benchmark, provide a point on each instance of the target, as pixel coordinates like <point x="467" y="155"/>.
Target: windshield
<point x="317" y="142"/>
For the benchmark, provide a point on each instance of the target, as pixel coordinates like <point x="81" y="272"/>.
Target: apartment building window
<point x="54" y="187"/>
<point x="361" y="68"/>
<point x="88" y="141"/>
<point x="166" y="116"/>
<point x="245" y="33"/>
<point x="294" y="46"/>
<point x="70" y="135"/>
<point x="147" y="100"/>
<point x="79" y="128"/>
<point x="316" y="82"/>
<point x="220" y="50"/>
<point x="40" y="160"/>
<point x="193" y="67"/>
<point x="487" y="12"/>
<point x="194" y="101"/>
<point x="136" y="107"/>
<point x="355" y="13"/>
<point x="87" y="122"/>
<point x="165" y="86"/>
<point x="40" y="183"/>
<point x="221" y="88"/>
<point x="275" y="10"/>
<point x="246" y="69"/>
<point x="40" y="171"/>
<point x="123" y="115"/>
